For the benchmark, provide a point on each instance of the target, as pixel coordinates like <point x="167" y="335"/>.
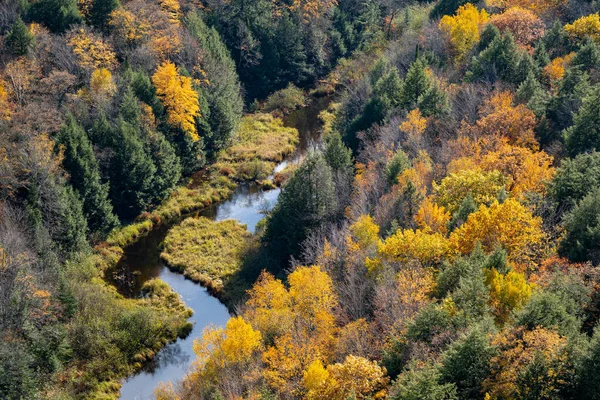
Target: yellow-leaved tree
<point x="507" y="292"/>
<point x="482" y="185"/>
<point x="425" y="246"/>
<point x="356" y="378"/>
<point x="463" y="28"/>
<point x="585" y="26"/>
<point x="508" y="224"/>
<point x="178" y="96"/>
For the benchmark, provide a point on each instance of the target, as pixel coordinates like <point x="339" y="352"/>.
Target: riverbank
<point x="264" y="141"/>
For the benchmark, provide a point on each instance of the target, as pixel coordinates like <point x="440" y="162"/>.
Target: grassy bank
<point x="259" y="144"/>
<point x="207" y="252"/>
<point x="111" y="336"/>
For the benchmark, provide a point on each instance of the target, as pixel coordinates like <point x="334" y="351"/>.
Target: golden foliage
<point x="537" y="6"/>
<point x="312" y="8"/>
<point x="432" y="217"/>
<point x="501" y="119"/>
<point x="415" y="124"/>
<point x="482" y="185"/>
<point x="172" y="8"/>
<point x="556" y="69"/>
<point x="5" y="106"/>
<point x="507" y="292"/>
<point x="312" y="293"/>
<point x="583" y="27"/>
<point x="269" y="306"/>
<point x="92" y="51"/>
<point x="429" y="248"/>
<point x="518" y="348"/>
<point x="463" y="28"/>
<point x="365" y="232"/>
<point x="102" y="83"/>
<point x="178" y="96"/>
<point x="509" y="225"/>
<point x="524" y="170"/>
<point x="222" y="348"/>
<point x="125" y="24"/>
<point x="356" y="376"/>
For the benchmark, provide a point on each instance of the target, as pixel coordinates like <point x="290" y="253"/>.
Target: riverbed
<point x="141" y="262"/>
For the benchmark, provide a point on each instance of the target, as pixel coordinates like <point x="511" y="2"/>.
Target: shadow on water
<point x="141" y="262"/>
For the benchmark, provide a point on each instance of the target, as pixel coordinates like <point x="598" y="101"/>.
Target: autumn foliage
<point x="178" y="96"/>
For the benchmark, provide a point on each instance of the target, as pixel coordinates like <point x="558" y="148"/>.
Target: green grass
<point x="111" y="336"/>
<point x="259" y="144"/>
<point x="207" y="252"/>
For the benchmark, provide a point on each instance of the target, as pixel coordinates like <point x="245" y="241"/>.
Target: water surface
<point x="141" y="262"/>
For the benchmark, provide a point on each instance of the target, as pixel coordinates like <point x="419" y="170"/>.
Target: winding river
<point x="141" y="262"/>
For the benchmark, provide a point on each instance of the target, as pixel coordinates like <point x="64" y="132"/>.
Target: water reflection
<point x="173" y="362"/>
<point x="141" y="262"/>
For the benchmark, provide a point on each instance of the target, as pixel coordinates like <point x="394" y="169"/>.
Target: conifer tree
<point x="83" y="170"/>
<point x="131" y="173"/>
<point x="584" y="135"/>
<point x="19" y="39"/>
<point x="57" y="15"/>
<point x="223" y="92"/>
<point x="308" y="200"/>
<point x="499" y="60"/>
<point x="416" y="83"/>
<point x="588" y="56"/>
<point x="100" y="12"/>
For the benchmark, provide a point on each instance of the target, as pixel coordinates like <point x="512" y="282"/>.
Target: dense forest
<point x="440" y="241"/>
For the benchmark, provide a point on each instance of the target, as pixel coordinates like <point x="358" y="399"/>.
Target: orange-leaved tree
<point x="525" y="26"/>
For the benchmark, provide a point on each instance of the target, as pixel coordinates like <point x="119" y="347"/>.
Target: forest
<point x="437" y="238"/>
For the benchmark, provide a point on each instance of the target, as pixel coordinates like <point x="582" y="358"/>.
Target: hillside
<point x="436" y="171"/>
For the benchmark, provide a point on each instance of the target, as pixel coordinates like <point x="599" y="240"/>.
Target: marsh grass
<point x="260" y="143"/>
<point x="207" y="252"/>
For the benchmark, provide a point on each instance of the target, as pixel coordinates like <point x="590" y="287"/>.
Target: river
<point x="141" y="262"/>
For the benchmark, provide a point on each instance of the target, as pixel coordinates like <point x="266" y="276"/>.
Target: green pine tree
<point x="81" y="164"/>
<point x="100" y="12"/>
<point x="19" y="40"/>
<point x="223" y="92"/>
<point x="584" y="135"/>
<point x="416" y="83"/>
<point x="57" y="15"/>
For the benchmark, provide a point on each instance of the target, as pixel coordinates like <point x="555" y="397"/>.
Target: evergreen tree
<point x="131" y="173"/>
<point x="531" y="93"/>
<point x="489" y="33"/>
<point x="19" y="39"/>
<point x="434" y="102"/>
<point x="80" y="163"/>
<point x="525" y="67"/>
<point x="467" y="206"/>
<point x="416" y="83"/>
<point x="100" y="12"/>
<point x="339" y="158"/>
<point x="581" y="241"/>
<point x="584" y="135"/>
<point x="500" y="60"/>
<point x="540" y="55"/>
<point x="588" y="56"/>
<point x="57" y="15"/>
<point x="168" y="168"/>
<point x="575" y="178"/>
<point x="574" y="86"/>
<point x="390" y="87"/>
<point x="466" y="363"/>
<point x="223" y="93"/>
<point x="306" y="202"/>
